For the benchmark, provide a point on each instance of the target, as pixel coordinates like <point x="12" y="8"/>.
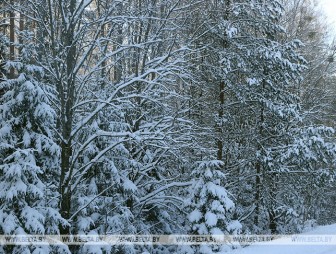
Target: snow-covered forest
<point x="164" y="117"/>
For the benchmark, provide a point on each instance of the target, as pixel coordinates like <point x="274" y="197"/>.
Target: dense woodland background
<point x="164" y="117"/>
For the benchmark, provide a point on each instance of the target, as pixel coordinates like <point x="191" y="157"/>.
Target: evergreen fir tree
<point x="29" y="156"/>
<point x="210" y="205"/>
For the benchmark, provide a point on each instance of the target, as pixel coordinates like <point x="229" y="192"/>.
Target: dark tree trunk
<point x="12" y="39"/>
<point x="220" y="116"/>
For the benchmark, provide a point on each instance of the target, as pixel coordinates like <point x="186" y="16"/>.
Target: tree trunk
<point x="12" y="39"/>
<point x="220" y="116"/>
<point x="67" y="95"/>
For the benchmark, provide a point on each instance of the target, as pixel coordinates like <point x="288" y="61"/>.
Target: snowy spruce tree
<point x="28" y="154"/>
<point x="211" y="208"/>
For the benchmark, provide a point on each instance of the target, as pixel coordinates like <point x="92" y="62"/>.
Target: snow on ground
<point x="282" y="248"/>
